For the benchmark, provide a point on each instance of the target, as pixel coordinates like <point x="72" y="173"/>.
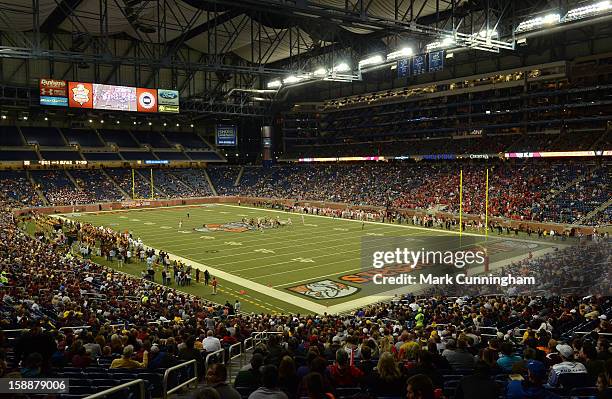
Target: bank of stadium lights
<point x="538" y="22"/>
<point x="587" y="11"/>
<point x="274" y="84"/>
<point x="374" y="60"/>
<point x="292" y="79"/>
<point x="441" y="44"/>
<point x="404" y="52"/>
<point x="341" y="67"/>
<point x="319" y="72"/>
<point x="488" y="33"/>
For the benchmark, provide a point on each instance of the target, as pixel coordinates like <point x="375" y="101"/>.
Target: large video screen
<point x="114" y="98"/>
<point x="107" y="97"/>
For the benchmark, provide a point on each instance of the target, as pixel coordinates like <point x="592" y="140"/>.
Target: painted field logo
<point x="324" y="289"/>
<point x="232" y="227"/>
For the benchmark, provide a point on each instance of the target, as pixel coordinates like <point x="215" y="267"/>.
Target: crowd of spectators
<point x="525" y="190"/>
<point x="426" y="345"/>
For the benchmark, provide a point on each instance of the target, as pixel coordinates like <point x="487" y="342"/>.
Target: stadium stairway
<point x="240" y="173"/>
<point x="210" y="183"/>
<point x="125" y="195"/>
<point x="233" y="367"/>
<point x="71" y="178"/>
<point x="572" y="183"/>
<point x="595" y="211"/>
<point x="36" y="189"/>
<point x="187" y="186"/>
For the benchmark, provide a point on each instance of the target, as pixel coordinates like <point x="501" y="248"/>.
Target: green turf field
<point x="288" y="264"/>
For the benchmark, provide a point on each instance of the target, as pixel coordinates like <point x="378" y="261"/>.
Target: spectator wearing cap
<point x="343" y="374"/>
<point x="553" y="356"/>
<point x="533" y="386"/>
<point x="269" y="388"/>
<point x="567" y="366"/>
<point x="126" y="361"/>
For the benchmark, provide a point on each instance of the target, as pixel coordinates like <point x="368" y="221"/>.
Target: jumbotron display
<point x="60" y="93"/>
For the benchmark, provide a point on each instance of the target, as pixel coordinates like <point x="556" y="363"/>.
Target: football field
<point x="310" y="266"/>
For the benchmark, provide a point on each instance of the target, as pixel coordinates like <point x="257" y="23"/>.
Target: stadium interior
<point x="193" y="194"/>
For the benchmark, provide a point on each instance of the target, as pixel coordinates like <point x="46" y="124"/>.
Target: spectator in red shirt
<point x="343" y="374"/>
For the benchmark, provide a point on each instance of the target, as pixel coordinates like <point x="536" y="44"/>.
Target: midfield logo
<point x="325" y="289"/>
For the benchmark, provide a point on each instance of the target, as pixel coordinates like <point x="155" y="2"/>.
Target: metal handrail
<point x="588" y="332"/>
<point x="261" y="336"/>
<point x="165" y="391"/>
<point x="245" y="346"/>
<point x="220" y="351"/>
<point x="102" y="394"/>
<point x="230" y="357"/>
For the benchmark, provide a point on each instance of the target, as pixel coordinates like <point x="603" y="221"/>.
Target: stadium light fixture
<point x="401" y="53"/>
<point x="374" y="60"/>
<point x="46" y="118"/>
<point x="118" y="122"/>
<point x="90" y="121"/>
<point x="293" y="79"/>
<point x="539" y="22"/>
<point x="447" y="41"/>
<point x="342" y="67"/>
<point x="274" y="84"/>
<point x="587" y="11"/>
<point x="3" y="116"/>
<point x="191" y="125"/>
<point x="320" y="72"/>
<point x="165" y="124"/>
<point x="488" y="33"/>
<point x="150" y="123"/>
<point x="101" y="120"/>
<point x="25" y="118"/>
<point x="177" y="125"/>
<point x="134" y="122"/>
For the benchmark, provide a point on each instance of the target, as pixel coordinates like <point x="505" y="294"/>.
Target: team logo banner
<point x="324" y="289"/>
<point x="80" y="95"/>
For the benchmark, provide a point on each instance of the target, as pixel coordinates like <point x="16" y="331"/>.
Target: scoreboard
<point x="60" y="93"/>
